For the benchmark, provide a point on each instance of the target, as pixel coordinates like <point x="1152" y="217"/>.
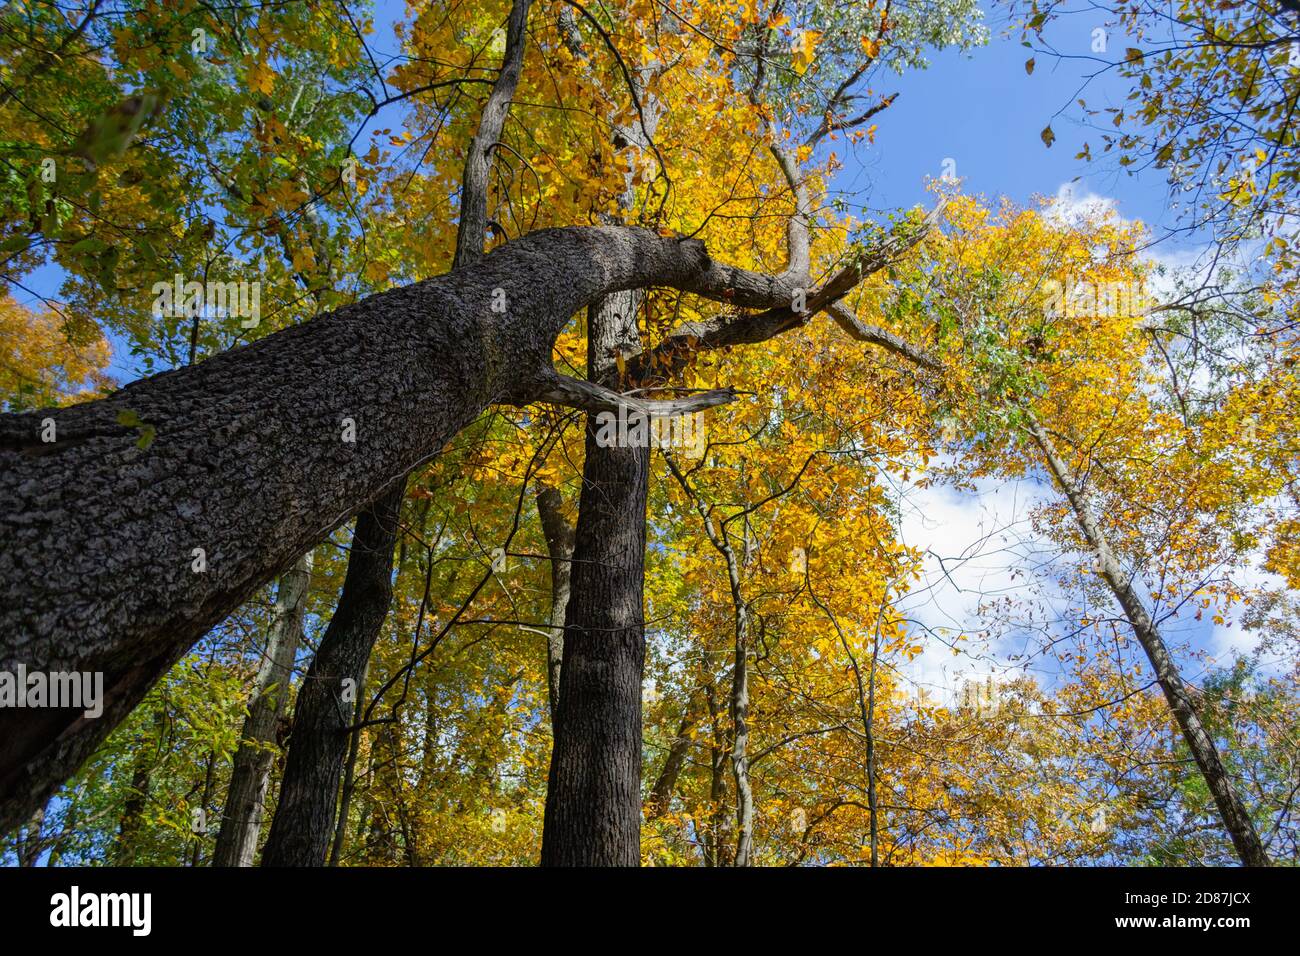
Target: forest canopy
<point x="503" y="432"/>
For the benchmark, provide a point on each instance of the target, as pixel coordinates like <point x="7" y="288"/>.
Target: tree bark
<point x="241" y="821"/>
<point x="304" y="817"/>
<point x="248" y="463"/>
<point x="593" y="798"/>
<point x="1236" y="819"/>
<point x="316" y="787"/>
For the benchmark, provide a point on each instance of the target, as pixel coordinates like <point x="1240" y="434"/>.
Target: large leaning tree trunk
<point x="1236" y="818"/>
<point x="250" y="777"/>
<point x="304" y="820"/>
<point x="117" y="558"/>
<point x="131" y="525"/>
<point x="329" y="700"/>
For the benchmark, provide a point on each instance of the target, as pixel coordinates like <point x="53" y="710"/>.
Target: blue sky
<point x="984" y="111"/>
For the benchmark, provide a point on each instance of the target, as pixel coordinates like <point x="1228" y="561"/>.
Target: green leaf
<point x="89" y="246"/>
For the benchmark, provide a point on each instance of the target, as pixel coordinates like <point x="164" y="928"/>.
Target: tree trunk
<point x="743" y="626"/>
<point x="349" y="785"/>
<point x="740" y="745"/>
<point x="1236" y="819"/>
<point x="28" y="842"/>
<point x="559" y="548"/>
<point x="302" y="841"/>
<point x="250" y="464"/>
<point x="241" y="821"/>
<point x="715" y="841"/>
<point x="661" y="794"/>
<point x="328" y="702"/>
<point x="128" y="829"/>
<point x="593" y="798"/>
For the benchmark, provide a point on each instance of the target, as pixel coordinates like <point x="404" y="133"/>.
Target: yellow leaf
<point x="804" y="49"/>
<point x="261" y="78"/>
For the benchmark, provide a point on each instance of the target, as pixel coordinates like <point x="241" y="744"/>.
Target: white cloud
<point x="1229" y="639"/>
<point x="1075" y="203"/>
<point x="980" y="553"/>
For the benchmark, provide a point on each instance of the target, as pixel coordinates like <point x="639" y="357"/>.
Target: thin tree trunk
<point x="1236" y="819"/>
<point x="740" y="743"/>
<point x="661" y="794"/>
<point x="128" y="830"/>
<point x="250" y="777"/>
<point x="205" y="801"/>
<point x="866" y="707"/>
<point x="868" y="728"/>
<point x="742" y="628"/>
<point x="559" y="549"/>
<point x="716" y="840"/>
<point x="349" y="785"/>
<point x="328" y="701"/>
<point x="28" y="839"/>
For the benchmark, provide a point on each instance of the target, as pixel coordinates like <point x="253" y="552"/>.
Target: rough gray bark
<point x="1236" y="819"/>
<point x="593" y="797"/>
<point x="99" y="571"/>
<point x="318" y="746"/>
<point x="300" y="831"/>
<point x="241" y="819"/>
